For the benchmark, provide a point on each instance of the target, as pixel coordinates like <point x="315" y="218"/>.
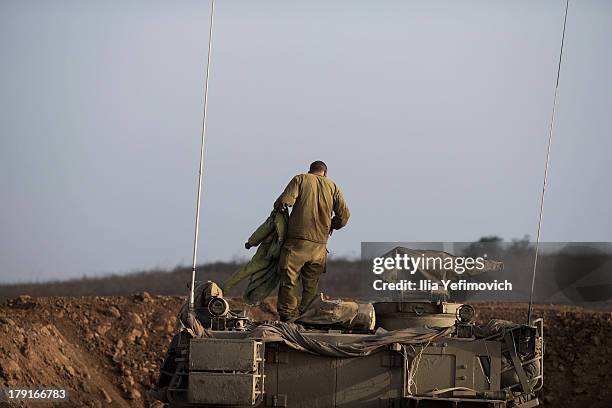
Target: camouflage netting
<point x="293" y="336"/>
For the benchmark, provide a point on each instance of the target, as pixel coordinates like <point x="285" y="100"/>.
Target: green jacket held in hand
<point x="262" y="269"/>
<point x="314" y="198"/>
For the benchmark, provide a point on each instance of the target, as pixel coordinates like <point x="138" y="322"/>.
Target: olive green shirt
<point x="314" y="199"/>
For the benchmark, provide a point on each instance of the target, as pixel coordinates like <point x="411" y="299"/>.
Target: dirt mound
<point x="106" y="351"/>
<point x="578" y="352"/>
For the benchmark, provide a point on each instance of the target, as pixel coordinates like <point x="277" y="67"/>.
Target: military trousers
<point x="300" y="260"/>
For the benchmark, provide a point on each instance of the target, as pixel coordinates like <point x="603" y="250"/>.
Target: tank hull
<point x="400" y="376"/>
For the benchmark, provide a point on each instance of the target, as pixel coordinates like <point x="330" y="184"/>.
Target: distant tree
<point x="520" y="246"/>
<point x="491" y="239"/>
<point x="495" y="248"/>
<point x="489" y="244"/>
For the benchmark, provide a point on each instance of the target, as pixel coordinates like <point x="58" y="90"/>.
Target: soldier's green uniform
<point x="314" y="199"/>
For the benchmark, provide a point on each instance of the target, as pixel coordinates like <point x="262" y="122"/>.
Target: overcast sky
<point x="432" y="117"/>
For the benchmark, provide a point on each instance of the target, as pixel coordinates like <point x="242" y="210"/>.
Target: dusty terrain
<point x="106" y="351"/>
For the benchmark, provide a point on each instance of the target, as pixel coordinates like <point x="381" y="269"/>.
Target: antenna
<point x="201" y="171"/>
<point x="550" y="136"/>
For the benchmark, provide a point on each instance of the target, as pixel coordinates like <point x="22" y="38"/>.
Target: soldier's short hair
<point x="318" y="166"/>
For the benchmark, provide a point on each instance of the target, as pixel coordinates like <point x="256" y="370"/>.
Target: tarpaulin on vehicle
<point x="327" y="311"/>
<point x="293" y="335"/>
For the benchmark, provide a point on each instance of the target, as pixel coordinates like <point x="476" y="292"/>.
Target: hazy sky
<point x="431" y="115"/>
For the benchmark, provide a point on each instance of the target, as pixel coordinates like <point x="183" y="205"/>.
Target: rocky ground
<point x="106" y="351"/>
<point x="578" y="352"/>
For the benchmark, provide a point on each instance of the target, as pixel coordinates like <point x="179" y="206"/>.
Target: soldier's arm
<point x="341" y="211"/>
<point x="288" y="197"/>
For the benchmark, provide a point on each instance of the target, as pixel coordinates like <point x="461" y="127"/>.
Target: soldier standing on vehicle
<point x="314" y="199"/>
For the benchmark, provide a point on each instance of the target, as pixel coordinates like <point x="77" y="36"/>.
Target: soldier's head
<point x="319" y="168"/>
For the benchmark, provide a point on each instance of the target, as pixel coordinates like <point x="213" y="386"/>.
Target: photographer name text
<point x="427" y="285"/>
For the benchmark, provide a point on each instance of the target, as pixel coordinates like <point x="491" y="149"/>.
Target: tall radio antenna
<point x="550" y="136"/>
<point x="201" y="171"/>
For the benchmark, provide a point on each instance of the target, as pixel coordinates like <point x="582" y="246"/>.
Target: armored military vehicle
<point x="409" y="353"/>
